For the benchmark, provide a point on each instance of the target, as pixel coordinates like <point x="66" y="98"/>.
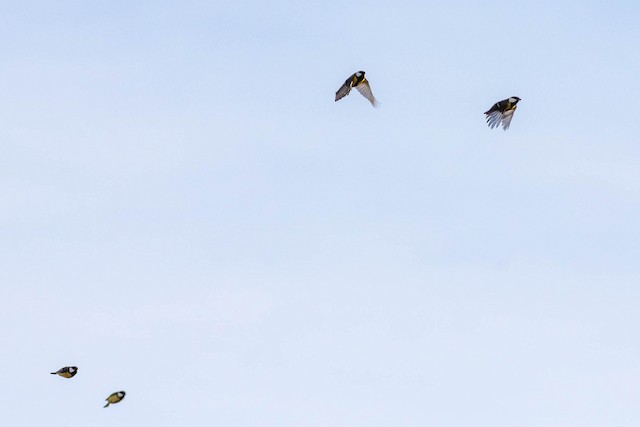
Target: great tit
<point x="115" y="398"/>
<point x="358" y="81"/>
<point x="66" y="372"/>
<point x="502" y="112"/>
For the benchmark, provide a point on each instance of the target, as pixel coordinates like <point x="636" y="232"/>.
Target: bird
<point x="66" y="372"/>
<point x="502" y="111"/>
<point x="115" y="397"/>
<point x="358" y="81"/>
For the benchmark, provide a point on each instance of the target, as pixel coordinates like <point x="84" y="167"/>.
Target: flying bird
<point x="66" y="372"/>
<point x="358" y="81"/>
<point x="502" y="112"/>
<point x="115" y="398"/>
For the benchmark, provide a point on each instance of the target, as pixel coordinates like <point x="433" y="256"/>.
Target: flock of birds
<point x="71" y="371"/>
<point x="500" y="112"/>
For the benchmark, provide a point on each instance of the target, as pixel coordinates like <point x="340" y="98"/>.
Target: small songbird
<point x="358" y="81"/>
<point x="66" y="372"/>
<point x="502" y="112"/>
<point x="115" y="398"/>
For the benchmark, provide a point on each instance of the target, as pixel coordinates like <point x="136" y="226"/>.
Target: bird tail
<point x="53" y="373"/>
<point x="106" y="405"/>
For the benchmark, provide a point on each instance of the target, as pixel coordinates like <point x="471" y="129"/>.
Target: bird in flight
<point x="66" y="372"/>
<point x="502" y="111"/>
<point x="115" y="397"/>
<point x="358" y="81"/>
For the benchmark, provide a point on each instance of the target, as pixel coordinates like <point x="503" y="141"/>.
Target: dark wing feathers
<point x="344" y="90"/>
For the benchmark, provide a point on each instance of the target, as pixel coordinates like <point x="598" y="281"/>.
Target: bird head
<point x="360" y="73"/>
<point x="514" y="99"/>
<point x="73" y="369"/>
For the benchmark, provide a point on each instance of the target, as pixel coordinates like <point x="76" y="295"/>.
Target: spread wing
<point x="494" y="118"/>
<point x="365" y="90"/>
<point x="506" y="118"/>
<point x="343" y="91"/>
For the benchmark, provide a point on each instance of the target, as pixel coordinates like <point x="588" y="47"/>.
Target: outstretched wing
<point x="365" y="90"/>
<point x="494" y="118"/>
<point x="506" y="118"/>
<point x="344" y="90"/>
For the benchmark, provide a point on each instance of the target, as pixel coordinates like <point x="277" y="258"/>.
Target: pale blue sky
<point x="189" y="216"/>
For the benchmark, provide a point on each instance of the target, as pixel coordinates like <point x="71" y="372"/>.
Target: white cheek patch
<point x="358" y="74"/>
<point x="512" y="100"/>
<point x="72" y="369"/>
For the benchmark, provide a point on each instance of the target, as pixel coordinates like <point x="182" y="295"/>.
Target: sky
<point x="187" y="215"/>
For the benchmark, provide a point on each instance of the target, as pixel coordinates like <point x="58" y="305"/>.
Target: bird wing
<point x="506" y="118"/>
<point x="498" y="106"/>
<point x="365" y="90"/>
<point x="343" y="91"/>
<point x="494" y="118"/>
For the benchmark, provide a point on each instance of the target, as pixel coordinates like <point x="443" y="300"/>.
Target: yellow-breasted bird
<point x="358" y="81"/>
<point x="115" y="398"/>
<point x="66" y="372"/>
<point x="502" y="112"/>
